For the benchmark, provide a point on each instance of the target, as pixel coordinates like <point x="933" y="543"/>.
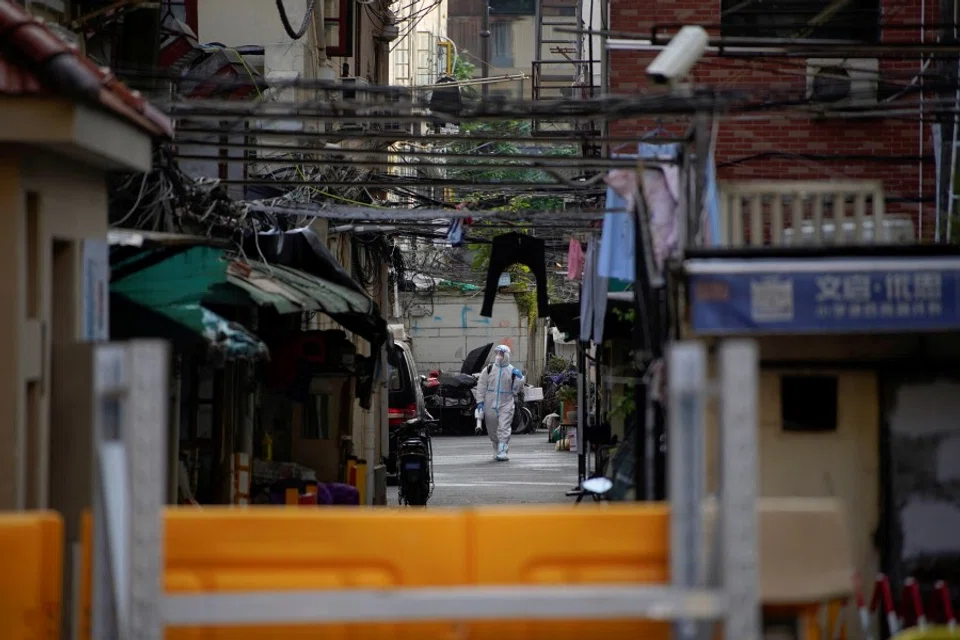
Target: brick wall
<point x="761" y="148"/>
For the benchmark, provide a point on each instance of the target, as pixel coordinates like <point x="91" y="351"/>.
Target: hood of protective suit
<point x="505" y="357"/>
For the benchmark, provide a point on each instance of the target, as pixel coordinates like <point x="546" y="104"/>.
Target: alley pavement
<point x="466" y="473"/>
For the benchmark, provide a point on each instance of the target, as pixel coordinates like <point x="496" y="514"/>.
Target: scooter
<point x="414" y="463"/>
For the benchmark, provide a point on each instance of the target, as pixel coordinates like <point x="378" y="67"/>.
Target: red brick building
<point x="780" y="146"/>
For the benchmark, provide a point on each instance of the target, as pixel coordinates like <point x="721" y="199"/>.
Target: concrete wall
<point x="444" y="329"/>
<point x="921" y="412"/>
<point x="51" y="206"/>
<point x="840" y="464"/>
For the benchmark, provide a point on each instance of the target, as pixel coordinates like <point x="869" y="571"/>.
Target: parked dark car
<point x="405" y="398"/>
<point x="452" y="400"/>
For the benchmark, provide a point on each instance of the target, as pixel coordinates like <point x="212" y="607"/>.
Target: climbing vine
<point x="527" y="303"/>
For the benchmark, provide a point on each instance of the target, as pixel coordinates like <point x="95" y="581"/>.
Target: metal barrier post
<point x="687" y="375"/>
<point x="130" y="455"/>
<point x="739" y="429"/>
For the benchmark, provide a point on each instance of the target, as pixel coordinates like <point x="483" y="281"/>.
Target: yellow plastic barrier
<point x="229" y="550"/>
<point x="31" y="574"/>
<point x="930" y="633"/>
<point x="560" y="545"/>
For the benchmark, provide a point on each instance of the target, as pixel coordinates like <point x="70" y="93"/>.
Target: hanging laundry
<point x="458" y="228"/>
<point x="455" y="233"/>
<point x="593" y="297"/>
<point x="510" y="249"/>
<point x="574" y="260"/>
<point x="710" y="225"/>
<point x="661" y="192"/>
<point x="617" y="245"/>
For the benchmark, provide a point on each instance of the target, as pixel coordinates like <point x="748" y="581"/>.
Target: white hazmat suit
<point x="497" y="389"/>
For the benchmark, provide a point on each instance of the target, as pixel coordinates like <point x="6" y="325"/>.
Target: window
<point x="426" y="49"/>
<point x="338" y="27"/>
<point x="812" y="19"/>
<point x="401" y="66"/>
<point x="808" y="403"/>
<point x="501" y="44"/>
<point x="513" y="7"/>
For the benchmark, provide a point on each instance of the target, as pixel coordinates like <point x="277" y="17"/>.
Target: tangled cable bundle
<point x="296" y="35"/>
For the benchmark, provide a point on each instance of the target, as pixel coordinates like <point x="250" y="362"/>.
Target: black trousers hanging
<point x="510" y="249"/>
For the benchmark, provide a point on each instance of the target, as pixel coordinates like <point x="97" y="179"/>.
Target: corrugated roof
<point x="34" y="60"/>
<point x="292" y="291"/>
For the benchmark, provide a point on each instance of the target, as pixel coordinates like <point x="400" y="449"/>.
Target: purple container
<point x="344" y="494"/>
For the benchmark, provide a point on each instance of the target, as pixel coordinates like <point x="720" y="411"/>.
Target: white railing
<point x="807" y="213"/>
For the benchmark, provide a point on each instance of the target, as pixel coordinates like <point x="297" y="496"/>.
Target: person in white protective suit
<point x="497" y="390"/>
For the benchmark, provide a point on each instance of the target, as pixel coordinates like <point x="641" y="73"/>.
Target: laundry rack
<point x="129" y="601"/>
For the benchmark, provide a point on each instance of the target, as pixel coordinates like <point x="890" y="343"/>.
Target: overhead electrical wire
<point x="296" y="34"/>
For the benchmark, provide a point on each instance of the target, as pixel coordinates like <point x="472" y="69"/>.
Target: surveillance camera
<point x="677" y="58"/>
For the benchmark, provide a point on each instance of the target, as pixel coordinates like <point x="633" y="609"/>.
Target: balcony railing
<point x="802" y="213"/>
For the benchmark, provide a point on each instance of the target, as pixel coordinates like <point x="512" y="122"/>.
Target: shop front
<point x="855" y="399"/>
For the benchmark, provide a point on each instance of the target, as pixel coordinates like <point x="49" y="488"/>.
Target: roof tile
<point x="34" y="60"/>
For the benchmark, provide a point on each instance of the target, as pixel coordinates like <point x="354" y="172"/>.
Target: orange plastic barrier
<point x="30" y="595"/>
<point x="224" y="550"/>
<point x="560" y="545"/>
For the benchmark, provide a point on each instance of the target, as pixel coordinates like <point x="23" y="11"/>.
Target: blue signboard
<point x="824" y="296"/>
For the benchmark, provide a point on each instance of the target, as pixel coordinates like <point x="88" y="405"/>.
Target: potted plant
<point x="567" y="396"/>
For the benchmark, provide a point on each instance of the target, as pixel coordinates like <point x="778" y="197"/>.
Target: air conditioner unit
<point x="843" y="81"/>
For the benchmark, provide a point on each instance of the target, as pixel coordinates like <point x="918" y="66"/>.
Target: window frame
<point x="837" y="27"/>
<point x="497" y="60"/>
<point x="344" y="23"/>
<point x="529" y="8"/>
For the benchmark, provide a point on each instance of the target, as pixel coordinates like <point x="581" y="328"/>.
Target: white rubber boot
<point x="502" y="453"/>
<point x="496" y="451"/>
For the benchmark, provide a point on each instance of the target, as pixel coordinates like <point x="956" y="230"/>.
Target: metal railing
<point x="808" y="213"/>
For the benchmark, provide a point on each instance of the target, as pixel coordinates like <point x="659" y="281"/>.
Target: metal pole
<point x="582" y="379"/>
<point x="687" y="372"/>
<point x="485" y="50"/>
<point x="641" y="342"/>
<point x="145" y="417"/>
<point x="739" y="476"/>
<point x="107" y="618"/>
<point x="130" y="441"/>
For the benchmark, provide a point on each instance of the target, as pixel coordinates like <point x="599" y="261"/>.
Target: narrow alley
<point x="512" y="319"/>
<point x="465" y="472"/>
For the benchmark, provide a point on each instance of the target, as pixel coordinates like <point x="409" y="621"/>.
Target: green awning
<point x="292" y="291"/>
<point x="173" y="284"/>
<point x="156" y="278"/>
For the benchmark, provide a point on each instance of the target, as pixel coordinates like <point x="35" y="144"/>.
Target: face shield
<point x="501" y="354"/>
